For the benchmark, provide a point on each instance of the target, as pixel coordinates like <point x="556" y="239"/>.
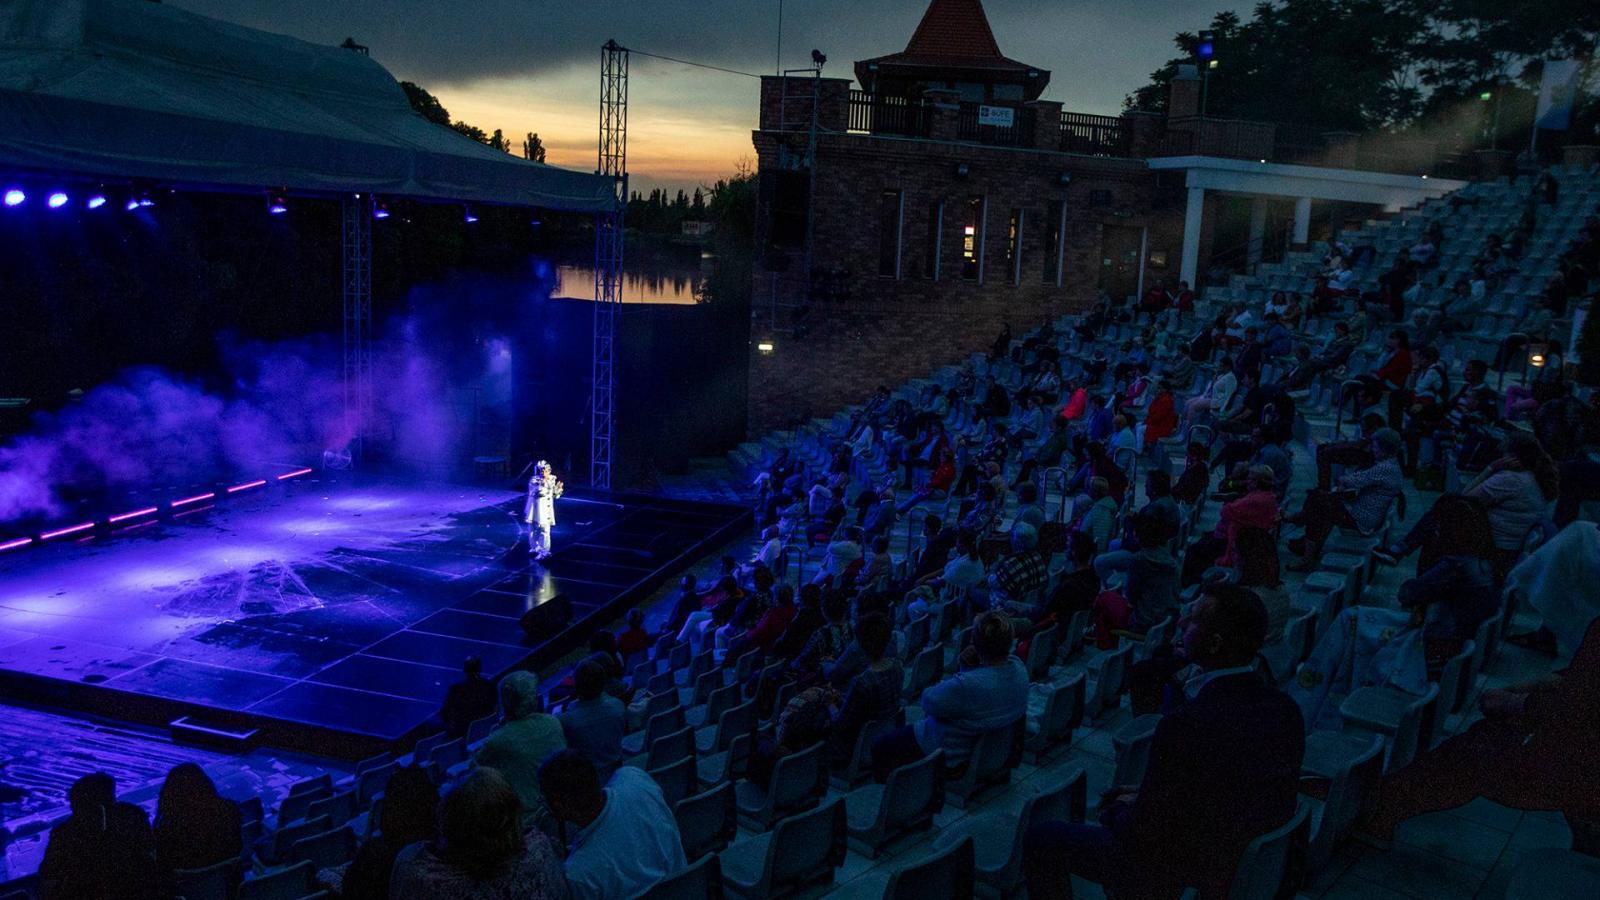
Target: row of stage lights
<point x="277" y="203"/>
<point x="145" y="515"/>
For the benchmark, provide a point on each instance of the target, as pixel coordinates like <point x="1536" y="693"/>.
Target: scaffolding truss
<point x="608" y="259"/>
<point x="356" y="213"/>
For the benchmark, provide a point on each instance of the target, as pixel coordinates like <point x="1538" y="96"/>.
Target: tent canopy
<point x="136" y="91"/>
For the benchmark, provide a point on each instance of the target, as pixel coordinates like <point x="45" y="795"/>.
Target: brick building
<point x="909" y="214"/>
<point x="945" y="199"/>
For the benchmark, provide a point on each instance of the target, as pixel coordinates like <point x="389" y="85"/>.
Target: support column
<point x="1190" y="261"/>
<point x="1258" y="231"/>
<point x="1302" y="222"/>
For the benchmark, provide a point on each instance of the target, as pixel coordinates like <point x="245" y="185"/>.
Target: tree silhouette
<point x="426" y="104"/>
<point x="532" y="147"/>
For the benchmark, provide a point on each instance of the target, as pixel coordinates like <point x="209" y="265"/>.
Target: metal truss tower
<point x="608" y="259"/>
<point x="356" y="212"/>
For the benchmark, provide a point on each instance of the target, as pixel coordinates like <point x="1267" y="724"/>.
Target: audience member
<point x="516" y="747"/>
<point x="410" y="816"/>
<point x="468" y="700"/>
<point x="593" y="723"/>
<point x="626" y="837"/>
<point x="195" y="827"/>
<point x="104" y="850"/>
<point x="482" y="850"/>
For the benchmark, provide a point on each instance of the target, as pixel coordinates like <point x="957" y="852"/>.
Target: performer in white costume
<point x="539" y="512"/>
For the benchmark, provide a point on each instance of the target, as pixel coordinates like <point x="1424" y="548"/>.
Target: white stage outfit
<point x="539" y="510"/>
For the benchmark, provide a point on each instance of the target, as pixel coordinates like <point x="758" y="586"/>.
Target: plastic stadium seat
<point x="1265" y="862"/>
<point x="799" y="852"/>
<point x="734" y="721"/>
<point x="1041" y="651"/>
<point x="946" y="873"/>
<point x="1454" y="681"/>
<point x="326" y="850"/>
<point x="339" y="808"/>
<point x="990" y="764"/>
<point x="1054" y="712"/>
<point x="289" y="883"/>
<point x="658" y="725"/>
<point x="998" y="837"/>
<point x="1406" y="719"/>
<point x="726" y="765"/>
<point x="279" y="842"/>
<point x="210" y="883"/>
<point x="1335" y="815"/>
<point x="859" y="767"/>
<point x="702" y="880"/>
<point x="721" y="699"/>
<point x="706" y="822"/>
<point x="1554" y="875"/>
<point x="670" y="748"/>
<point x="924" y="671"/>
<point x="371" y="783"/>
<point x="877" y="813"/>
<point x="1108" y="670"/>
<point x="798" y="782"/>
<point x="297" y="803"/>
<point x="677" y="780"/>
<point x="1132" y="743"/>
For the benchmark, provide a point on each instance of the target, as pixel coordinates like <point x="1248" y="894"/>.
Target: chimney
<point x="1183" y="96"/>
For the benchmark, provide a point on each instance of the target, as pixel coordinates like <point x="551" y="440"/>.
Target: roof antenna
<point x="350" y="44"/>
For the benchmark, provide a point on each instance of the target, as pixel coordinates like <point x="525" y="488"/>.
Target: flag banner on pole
<point x="1558" y="87"/>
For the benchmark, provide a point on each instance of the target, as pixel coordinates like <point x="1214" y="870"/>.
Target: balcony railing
<point x="1094" y="135"/>
<point x="879" y="114"/>
<point x="970" y="127"/>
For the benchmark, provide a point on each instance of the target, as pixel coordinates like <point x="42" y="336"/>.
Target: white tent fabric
<point x="132" y="90"/>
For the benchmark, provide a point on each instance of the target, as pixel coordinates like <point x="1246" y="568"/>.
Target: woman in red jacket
<point x="1162" y="421"/>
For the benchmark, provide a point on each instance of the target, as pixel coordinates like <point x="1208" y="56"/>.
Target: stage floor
<point x="331" y="616"/>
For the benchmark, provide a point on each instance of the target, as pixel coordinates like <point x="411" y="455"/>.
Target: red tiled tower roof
<point x="953" y="42"/>
<point x="954" y="28"/>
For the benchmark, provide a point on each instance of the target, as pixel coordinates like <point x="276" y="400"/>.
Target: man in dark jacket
<point x="1224" y="768"/>
<point x="468" y="700"/>
<point x="103" y="850"/>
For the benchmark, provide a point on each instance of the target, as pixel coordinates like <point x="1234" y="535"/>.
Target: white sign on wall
<point x="998" y="116"/>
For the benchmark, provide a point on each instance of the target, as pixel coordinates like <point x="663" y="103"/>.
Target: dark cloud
<point x="1098" y="49"/>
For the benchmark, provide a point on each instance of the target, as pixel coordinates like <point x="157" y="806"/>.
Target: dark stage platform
<point x="329" y="616"/>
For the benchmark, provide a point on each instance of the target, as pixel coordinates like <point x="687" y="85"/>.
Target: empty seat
<point x="858" y="767"/>
<point x="800" y="851"/>
<point x="1041" y="651"/>
<point x="702" y="880"/>
<point x="670" y="748"/>
<point x="339" y="808"/>
<point x="908" y="800"/>
<point x="1108" y="671"/>
<point x="371" y="783"/>
<point x="726" y="765"/>
<point x="677" y="780"/>
<point x="720" y="700"/>
<point x="210" y="883"/>
<point x="998" y="837"/>
<point x="734" y="721"/>
<point x="945" y="873"/>
<point x="798" y="781"/>
<point x="924" y="671"/>
<point x="1132" y="745"/>
<point x="1332" y="818"/>
<point x="1054" y="712"/>
<point x="1265" y="860"/>
<point x="1406" y="719"/>
<point x="659" y="725"/>
<point x="288" y="883"/>
<point x="325" y="850"/>
<point x="297" y="803"/>
<point x="706" y="822"/>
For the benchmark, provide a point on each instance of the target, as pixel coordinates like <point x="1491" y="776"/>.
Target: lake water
<point x="645" y="281"/>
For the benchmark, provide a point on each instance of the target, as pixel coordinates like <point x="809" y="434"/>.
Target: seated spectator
<point x="468" y="700"/>
<point x="410" y="816"/>
<point x="1161" y="421"/>
<point x="1533" y="750"/>
<point x="879" y="565"/>
<point x="881" y="516"/>
<point x="1029" y="510"/>
<point x="1078" y="587"/>
<point x="1224" y="767"/>
<point x="1258" y="570"/>
<point x="1258" y="508"/>
<point x="1362" y="501"/>
<point x="195" y="827"/>
<point x="516" y="747"/>
<point x="1217" y="398"/>
<point x="990" y="692"/>
<point x="1100" y="518"/>
<point x="807" y="619"/>
<point x="104" y="850"/>
<point x="873" y="694"/>
<point x="843" y="555"/>
<point x="482" y="850"/>
<point x="593" y="723"/>
<point x="1195" y="479"/>
<point x="826" y="643"/>
<point x="1017" y="579"/>
<point x="634" y="639"/>
<point x="626" y="839"/>
<point x="687" y="601"/>
<point x="937" y="542"/>
<point x="1355" y="453"/>
<point x="940" y="480"/>
<point x="766" y="632"/>
<point x="1457" y="589"/>
<point x="1150" y="592"/>
<point x="1516" y="491"/>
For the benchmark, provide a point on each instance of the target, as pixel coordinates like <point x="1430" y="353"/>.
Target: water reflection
<point x="652" y="282"/>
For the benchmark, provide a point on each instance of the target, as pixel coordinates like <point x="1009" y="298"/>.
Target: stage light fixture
<point x="57" y="200"/>
<point x="765" y="347"/>
<point x="132" y="204"/>
<point x="277" y="204"/>
<point x="16" y="197"/>
<point x="1206" y="48"/>
<point x="96" y="201"/>
<point x="469" y="216"/>
<point x="380" y="210"/>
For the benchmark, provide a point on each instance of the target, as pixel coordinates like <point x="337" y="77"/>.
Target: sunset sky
<point x="533" y="65"/>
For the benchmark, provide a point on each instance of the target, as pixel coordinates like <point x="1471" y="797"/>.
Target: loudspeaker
<point x="546" y="620"/>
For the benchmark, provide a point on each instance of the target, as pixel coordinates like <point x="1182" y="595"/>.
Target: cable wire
<point x="689" y="63"/>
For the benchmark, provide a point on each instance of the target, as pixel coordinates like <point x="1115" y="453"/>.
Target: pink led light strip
<point x="63" y="532"/>
<point x="133" y="515"/>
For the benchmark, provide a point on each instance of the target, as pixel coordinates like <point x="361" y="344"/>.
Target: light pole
<point x="1206" y="52"/>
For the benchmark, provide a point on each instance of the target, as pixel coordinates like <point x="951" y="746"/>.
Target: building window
<point x="1055" y="245"/>
<point x="930" y="266"/>
<point x="972" y="238"/>
<point x="889" y="219"/>
<point x="1014" y="245"/>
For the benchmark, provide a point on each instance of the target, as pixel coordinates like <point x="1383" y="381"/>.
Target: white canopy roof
<point x="132" y="90"/>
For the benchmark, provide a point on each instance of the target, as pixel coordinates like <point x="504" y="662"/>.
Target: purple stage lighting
<point x="470" y="217"/>
<point x="57" y="200"/>
<point x="63" y="532"/>
<point x="277" y="204"/>
<point x="123" y="517"/>
<point x="133" y="204"/>
<point x="380" y="211"/>
<point x="14" y="544"/>
<point x="16" y="197"/>
<point x="97" y="201"/>
<point x="245" y="487"/>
